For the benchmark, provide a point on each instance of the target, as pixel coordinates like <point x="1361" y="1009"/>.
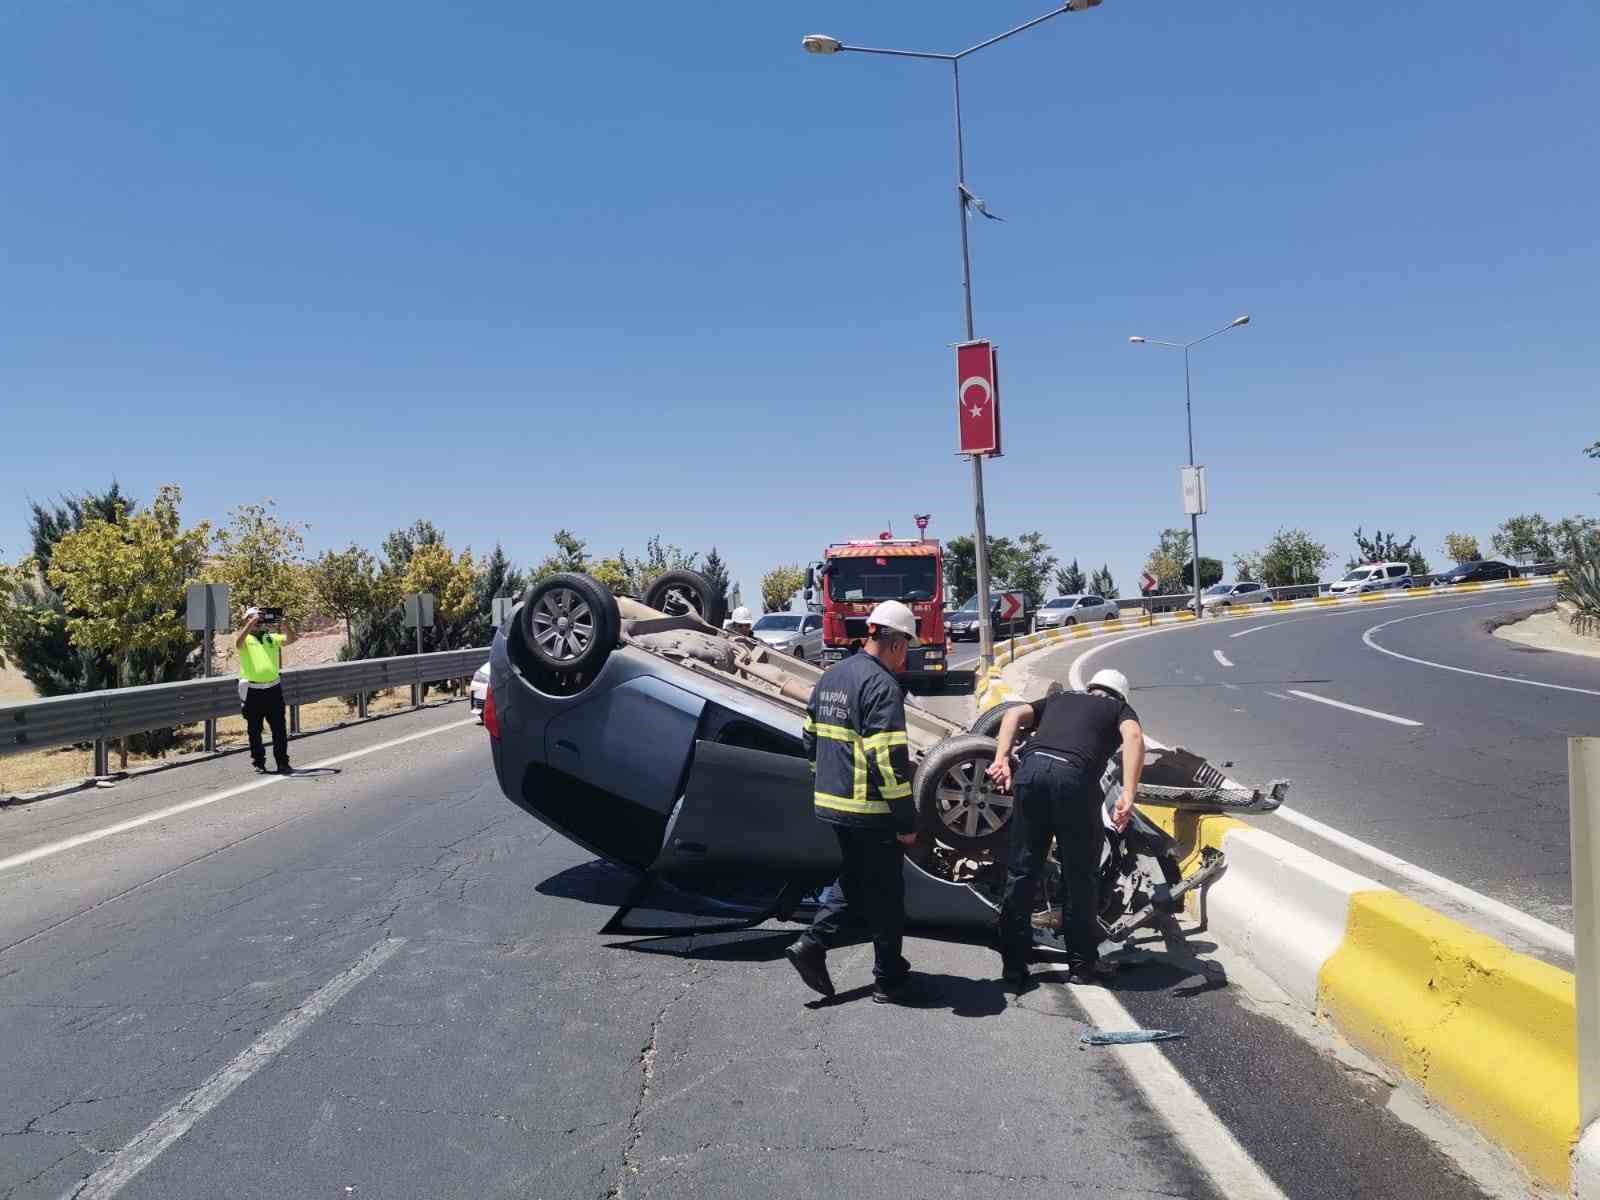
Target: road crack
<point x="630" y="1166"/>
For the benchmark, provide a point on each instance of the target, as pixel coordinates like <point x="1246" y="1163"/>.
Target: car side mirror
<point x="809" y="594"/>
<point x="811" y="580"/>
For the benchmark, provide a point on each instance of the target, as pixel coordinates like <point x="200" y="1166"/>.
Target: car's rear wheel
<point x="956" y="801"/>
<point x="569" y="623"/>
<point x="687" y="593"/>
<point x="1070" y="621"/>
<point x="1112" y="616"/>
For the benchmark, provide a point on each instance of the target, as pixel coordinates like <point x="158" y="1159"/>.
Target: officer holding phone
<point x="260" y="644"/>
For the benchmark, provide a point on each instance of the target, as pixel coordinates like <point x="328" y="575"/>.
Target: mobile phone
<point x="271" y="616"/>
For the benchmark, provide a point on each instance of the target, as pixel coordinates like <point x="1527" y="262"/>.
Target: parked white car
<point x="478" y="692"/>
<point x="799" y="634"/>
<point x="1075" y="610"/>
<point x="1228" y="595"/>
<point x="1373" y="577"/>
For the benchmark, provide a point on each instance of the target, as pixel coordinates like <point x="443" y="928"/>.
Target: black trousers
<point x="871" y="888"/>
<point x="266" y="704"/>
<point x="1054" y="799"/>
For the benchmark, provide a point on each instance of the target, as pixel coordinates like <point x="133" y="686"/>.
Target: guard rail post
<point x="361" y="704"/>
<point x="1583" y="781"/>
<point x="294" y="719"/>
<point x="102" y="757"/>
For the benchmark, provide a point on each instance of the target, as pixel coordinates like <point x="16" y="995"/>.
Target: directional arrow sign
<point x="1010" y="606"/>
<point x="1147" y="583"/>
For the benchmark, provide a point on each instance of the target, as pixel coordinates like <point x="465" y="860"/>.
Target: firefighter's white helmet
<point x="1111" y="681"/>
<point x="741" y="616"/>
<point x="891" y="614"/>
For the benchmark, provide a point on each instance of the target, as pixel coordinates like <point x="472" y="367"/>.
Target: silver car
<point x="799" y="634"/>
<point x="1075" y="610"/>
<point x="1229" y="595"/>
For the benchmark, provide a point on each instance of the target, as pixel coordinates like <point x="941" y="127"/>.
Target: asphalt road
<point x="384" y="980"/>
<point x="1450" y="750"/>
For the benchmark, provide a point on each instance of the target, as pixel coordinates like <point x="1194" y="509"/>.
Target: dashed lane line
<point x="1356" y="708"/>
<point x="1221" y="658"/>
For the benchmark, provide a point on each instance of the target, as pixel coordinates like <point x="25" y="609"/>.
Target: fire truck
<point x="853" y="577"/>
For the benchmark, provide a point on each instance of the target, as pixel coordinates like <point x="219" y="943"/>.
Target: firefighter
<point x="855" y="736"/>
<point x="1058" y="794"/>
<point x="741" y="623"/>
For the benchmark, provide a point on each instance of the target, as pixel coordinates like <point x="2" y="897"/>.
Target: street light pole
<point x="817" y="43"/>
<point x="1188" y="416"/>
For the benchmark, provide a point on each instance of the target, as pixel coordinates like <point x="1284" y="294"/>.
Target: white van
<point x="1373" y="577"/>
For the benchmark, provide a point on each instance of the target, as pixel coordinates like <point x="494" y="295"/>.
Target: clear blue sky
<point x="645" y="268"/>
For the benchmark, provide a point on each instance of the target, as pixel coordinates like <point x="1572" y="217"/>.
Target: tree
<point x="1246" y="567"/>
<point x="961" y="564"/>
<point x="1028" y="567"/>
<point x="1166" y="561"/>
<point x="345" y="585"/>
<point x="1070" y="580"/>
<point x="47" y="525"/>
<point x="1576" y="537"/>
<point x="716" y="573"/>
<point x="400" y="545"/>
<point x="1525" y="537"/>
<point x="1461" y="548"/>
<point x="1292" y="556"/>
<point x="1101" y="583"/>
<point x="1387" y="547"/>
<point x="450" y="578"/>
<point x="258" y="556"/>
<point x="1210" y="572"/>
<point x="779" y="585"/>
<point x="1593" y="451"/>
<point x="10" y="590"/>
<point x="657" y="561"/>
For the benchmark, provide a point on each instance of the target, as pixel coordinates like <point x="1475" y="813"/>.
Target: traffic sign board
<point x="1010" y="606"/>
<point x="1147" y="583"/>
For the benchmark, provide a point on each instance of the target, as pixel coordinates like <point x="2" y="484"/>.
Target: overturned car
<point x="647" y="734"/>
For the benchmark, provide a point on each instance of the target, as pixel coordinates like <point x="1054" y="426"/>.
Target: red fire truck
<point x="855" y="576"/>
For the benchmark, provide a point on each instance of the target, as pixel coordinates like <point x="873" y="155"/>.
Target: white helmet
<point x="1111" y="681"/>
<point x="741" y="616"/>
<point x="891" y="614"/>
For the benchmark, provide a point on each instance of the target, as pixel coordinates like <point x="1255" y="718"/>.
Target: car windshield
<point x="1219" y="589"/>
<point x="1358" y="573"/>
<point x="892" y="577"/>
<point x="1062" y="602"/>
<point x="971" y="605"/>
<point x="785" y="622"/>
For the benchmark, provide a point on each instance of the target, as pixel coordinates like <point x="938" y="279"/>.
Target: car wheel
<point x="1111" y="616"/>
<point x="687" y="593"/>
<point x="988" y="721"/>
<point x="569" y="623"/>
<point x="956" y="801"/>
<point x="1070" y="621"/>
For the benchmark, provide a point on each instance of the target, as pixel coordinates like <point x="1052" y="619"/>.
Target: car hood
<point x="776" y="637"/>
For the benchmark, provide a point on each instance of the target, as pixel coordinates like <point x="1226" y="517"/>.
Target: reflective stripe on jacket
<point x="855" y="737"/>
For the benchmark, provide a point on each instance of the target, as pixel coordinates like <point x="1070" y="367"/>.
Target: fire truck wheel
<point x="687" y="593"/>
<point x="956" y="801"/>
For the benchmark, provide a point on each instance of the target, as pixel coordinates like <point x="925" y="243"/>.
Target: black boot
<point x="811" y="962"/>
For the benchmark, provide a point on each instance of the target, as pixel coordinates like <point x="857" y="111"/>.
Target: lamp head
<point x="821" y="43"/>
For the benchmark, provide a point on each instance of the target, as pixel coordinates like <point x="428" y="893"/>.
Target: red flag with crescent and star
<point x="978" y="398"/>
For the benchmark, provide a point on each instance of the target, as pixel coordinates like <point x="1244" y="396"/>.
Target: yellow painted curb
<point x="1488" y="1033"/>
<point x="1192" y="831"/>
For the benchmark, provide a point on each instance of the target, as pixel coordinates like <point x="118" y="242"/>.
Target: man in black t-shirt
<point x="1058" y="795"/>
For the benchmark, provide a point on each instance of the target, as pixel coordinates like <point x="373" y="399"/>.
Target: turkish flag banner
<point x="978" y="398"/>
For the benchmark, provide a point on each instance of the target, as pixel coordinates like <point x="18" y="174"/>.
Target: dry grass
<point x="44" y="770"/>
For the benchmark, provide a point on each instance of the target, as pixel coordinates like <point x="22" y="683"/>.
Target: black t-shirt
<point x="1082" y="727"/>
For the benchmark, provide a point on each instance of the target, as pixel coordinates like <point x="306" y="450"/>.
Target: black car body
<point x="1482" y="571"/>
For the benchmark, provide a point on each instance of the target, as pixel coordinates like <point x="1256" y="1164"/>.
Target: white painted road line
<point x="181" y="1117"/>
<point x="83" y="839"/>
<point x="1541" y="933"/>
<point x="1438" y="666"/>
<point x="1221" y="658"/>
<point x="1279" y="695"/>
<point x="1207" y="1139"/>
<point x="1356" y="708"/>
<point x="1268" y="625"/>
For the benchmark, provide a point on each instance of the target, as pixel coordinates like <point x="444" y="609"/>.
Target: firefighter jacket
<point x="855" y="737"/>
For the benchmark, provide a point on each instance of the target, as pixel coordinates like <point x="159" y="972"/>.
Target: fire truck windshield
<point x="901" y="577"/>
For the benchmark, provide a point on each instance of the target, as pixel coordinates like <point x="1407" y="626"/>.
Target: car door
<point x="813" y="640"/>
<point x="1396" y="573"/>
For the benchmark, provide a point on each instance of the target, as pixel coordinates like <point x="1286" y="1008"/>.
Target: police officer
<point x="261" y="688"/>
<point x="855" y="736"/>
<point x="1058" y="794"/>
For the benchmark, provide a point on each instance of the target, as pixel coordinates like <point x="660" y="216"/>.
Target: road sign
<point x="978" y="398"/>
<point x="502" y="609"/>
<point x="422" y="619"/>
<point x="203" y="597"/>
<point x="1193" y="480"/>
<point x="1010" y="606"/>
<point x="1147" y="583"/>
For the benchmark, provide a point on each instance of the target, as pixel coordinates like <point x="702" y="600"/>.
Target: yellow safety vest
<point x="260" y="656"/>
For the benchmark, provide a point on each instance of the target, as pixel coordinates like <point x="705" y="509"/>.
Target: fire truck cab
<point x="855" y="576"/>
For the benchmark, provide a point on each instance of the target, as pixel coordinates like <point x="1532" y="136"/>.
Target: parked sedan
<point x="799" y="634"/>
<point x="1481" y="571"/>
<point x="479" y="691"/>
<point x="1227" y="595"/>
<point x="1075" y="610"/>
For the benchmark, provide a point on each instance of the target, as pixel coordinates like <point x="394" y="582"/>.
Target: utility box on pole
<point x="207" y="613"/>
<point x="1194" y="490"/>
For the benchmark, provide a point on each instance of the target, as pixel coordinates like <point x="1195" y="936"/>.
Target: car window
<point x="1397" y="570"/>
<point x="1093" y="601"/>
<point x="1357" y="575"/>
<point x="812" y="624"/>
<point x="1060" y="602"/>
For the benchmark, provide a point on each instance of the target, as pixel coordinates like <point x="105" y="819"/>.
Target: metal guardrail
<point x="99" y="716"/>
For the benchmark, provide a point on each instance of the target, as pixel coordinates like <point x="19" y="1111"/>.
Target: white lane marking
<point x="1207" y="1139"/>
<point x="181" y="1117"/>
<point x="1232" y="687"/>
<point x="1356" y="708"/>
<point x="1541" y="932"/>
<point x="1268" y="625"/>
<point x="1423" y="662"/>
<point x="1279" y="695"/>
<point x="1221" y="658"/>
<point x="83" y="839"/>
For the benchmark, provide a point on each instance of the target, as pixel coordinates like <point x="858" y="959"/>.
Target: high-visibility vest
<point x="855" y="736"/>
<point x="260" y="656"/>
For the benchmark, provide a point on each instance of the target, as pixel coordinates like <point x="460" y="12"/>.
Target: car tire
<point x="955" y="800"/>
<point x="569" y="623"/>
<point x="685" y="593"/>
<point x="1110" y="617"/>
<point x="988" y="721"/>
<point x="1069" y="621"/>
